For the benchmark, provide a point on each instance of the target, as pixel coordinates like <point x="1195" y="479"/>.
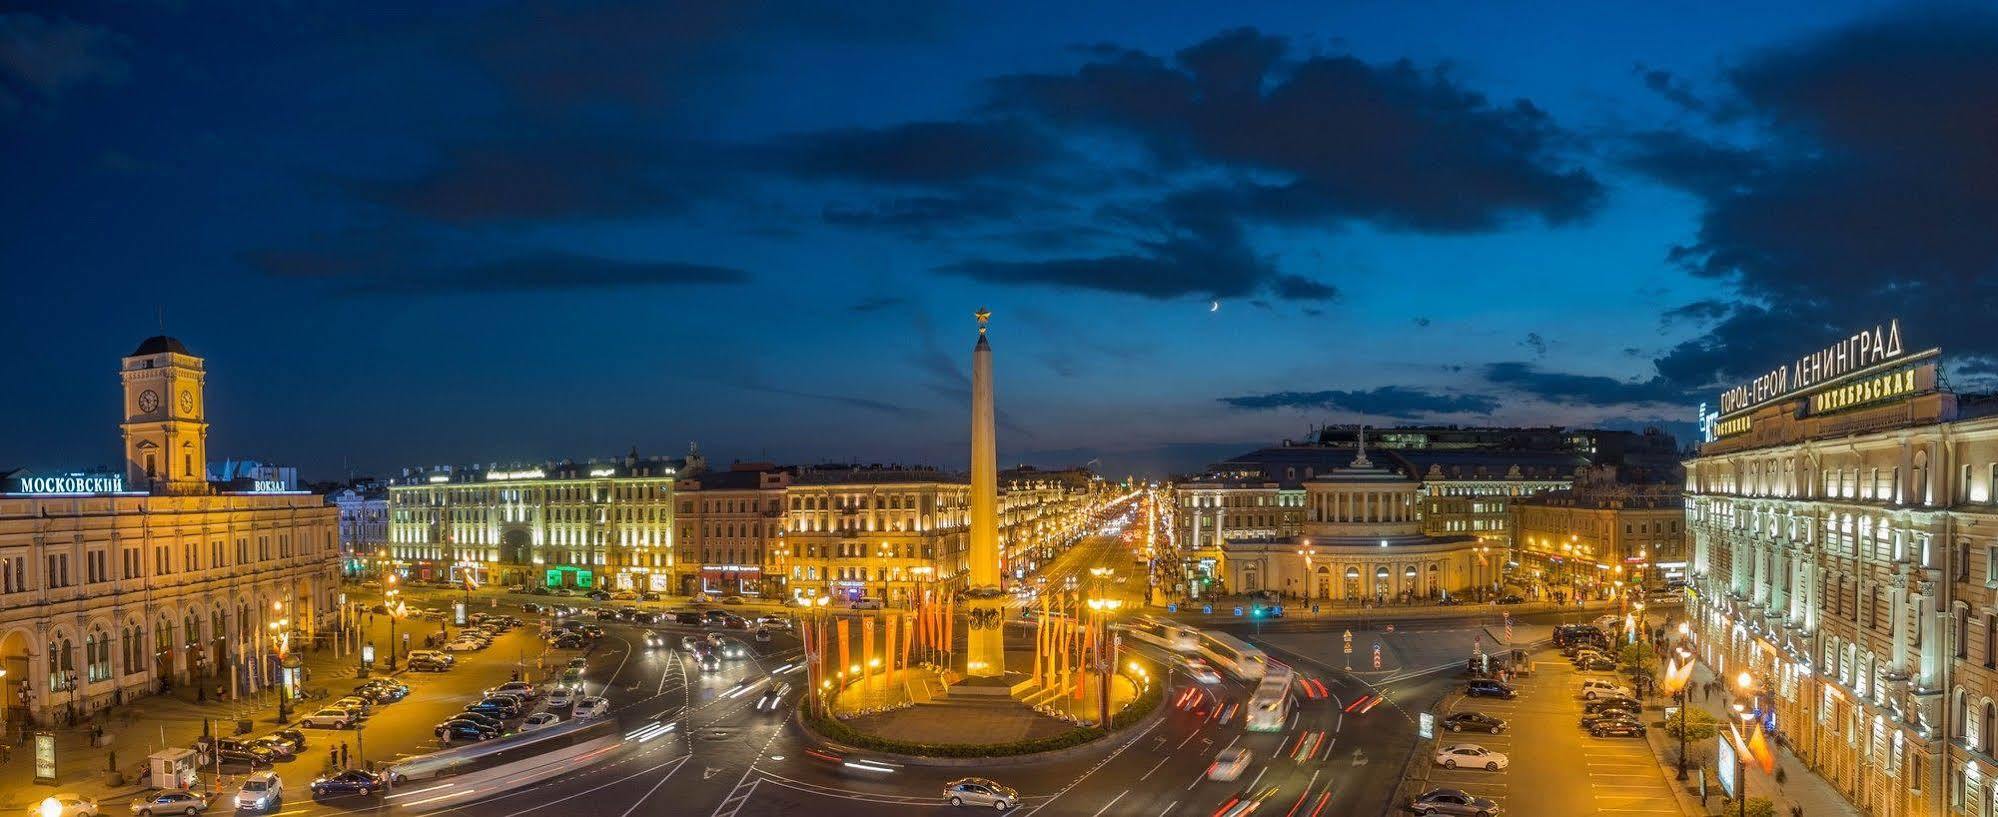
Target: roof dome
<point x="159" y="344"/>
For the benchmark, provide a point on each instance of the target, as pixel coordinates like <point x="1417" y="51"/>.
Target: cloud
<point x="1391" y="401"/>
<point x="878" y="303"/>
<point x="1323" y="139"/>
<point x="924" y="216"/>
<point x="549" y="176"/>
<point x="1671" y="88"/>
<point x="43" y="58"/>
<point x="919" y="153"/>
<point x="398" y="264"/>
<point x="1581" y="389"/>
<point x="877" y="406"/>
<point x="1535" y="342"/>
<point x="1870" y="194"/>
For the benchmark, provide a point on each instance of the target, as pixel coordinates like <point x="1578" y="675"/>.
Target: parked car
<point x="1511" y="598"/>
<point x="292" y="737"/>
<point x="351" y="781"/>
<point x="450" y="732"/>
<point x="532" y="607"/>
<point x="762" y="635"/>
<point x="531" y="691"/>
<point x="464" y="645"/>
<point x="1473" y="721"/>
<point x="173" y="801"/>
<point x="228" y="750"/>
<point x="1595" y="662"/>
<point x="734" y="600"/>
<point x="432" y="655"/>
<point x="572" y="678"/>
<point x="1593" y="688"/>
<point x="481" y="719"/>
<point x="1590" y="721"/>
<point x="865" y="604"/>
<point x="980" y="792"/>
<point x="540" y="720"/>
<point x="262" y="791"/>
<point x="1603" y="702"/>
<point x="1617" y="727"/>
<point x="279" y="749"/>
<point x="567" y="641"/>
<point x="1471" y="755"/>
<point x="599" y="595"/>
<point x="72" y="805"/>
<point x="1452" y="801"/>
<point x="590" y="706"/>
<point x="1229" y="764"/>
<point x="578" y="663"/>
<point x="774" y="622"/>
<point x="1488" y="688"/>
<point x="686" y="617"/>
<point x="501" y="708"/>
<point x="561" y="698"/>
<point x="382" y="691"/>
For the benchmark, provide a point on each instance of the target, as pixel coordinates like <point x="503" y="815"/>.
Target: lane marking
<point x="1113" y="801"/>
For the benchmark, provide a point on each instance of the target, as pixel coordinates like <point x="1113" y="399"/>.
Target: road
<point x="725" y="758"/>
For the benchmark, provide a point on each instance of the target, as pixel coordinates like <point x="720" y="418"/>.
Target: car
<point x="705" y="658"/>
<point x="1589" y="721"/>
<point x="1593" y="688"/>
<point x="1488" y="688"/>
<point x="71" y="805"/>
<point x="774" y="622"/>
<point x="519" y="700"/>
<point x="328" y="718"/>
<point x="604" y="614"/>
<point x="980" y="792"/>
<point x="450" y="732"/>
<point x="357" y="703"/>
<point x="382" y="691"/>
<point x="653" y="640"/>
<point x="540" y="720"/>
<point x="1229" y="764"/>
<point x="1603" y="702"/>
<point x="1471" y="755"/>
<point x="762" y="635"/>
<point x="502" y="708"/>
<point x="732" y="649"/>
<point x="691" y="642"/>
<point x="481" y="719"/>
<point x="688" y="617"/>
<point x="773" y="697"/>
<point x="1202" y="672"/>
<point x="1595" y="663"/>
<point x="464" y="645"/>
<point x="864" y="604"/>
<point x="292" y="737"/>
<point x="173" y="801"/>
<point x="593" y="631"/>
<point x="734" y="600"/>
<point x="531" y="691"/>
<point x="625" y="595"/>
<point x="1617" y="727"/>
<point x="590" y="706"/>
<point x="1473" y="721"/>
<point x="260" y="792"/>
<point x="432" y="655"/>
<point x="229" y="750"/>
<point x="599" y="595"/>
<point x="1511" y="598"/>
<point x="577" y="663"/>
<point x="427" y="665"/>
<point x="567" y="641"/>
<point x="279" y="749"/>
<point x="351" y="781"/>
<point x="533" y="607"/>
<point x="1452" y="801"/>
<point x="572" y="678"/>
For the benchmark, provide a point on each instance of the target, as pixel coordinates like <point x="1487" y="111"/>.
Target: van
<point x="260" y="792"/>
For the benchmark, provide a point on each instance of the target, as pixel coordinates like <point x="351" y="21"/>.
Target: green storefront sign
<point x="566" y="576"/>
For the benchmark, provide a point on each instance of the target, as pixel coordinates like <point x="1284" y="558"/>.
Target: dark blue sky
<point x="527" y="230"/>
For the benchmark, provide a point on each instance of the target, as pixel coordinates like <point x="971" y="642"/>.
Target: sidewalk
<point x="1801" y="787"/>
<point x="145" y="725"/>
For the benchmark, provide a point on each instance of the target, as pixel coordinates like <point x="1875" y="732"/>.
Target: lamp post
<point x="392" y="603"/>
<point x="1681" y="687"/>
<point x="280" y="644"/>
<point x="1307" y="552"/>
<point x="1741" y="762"/>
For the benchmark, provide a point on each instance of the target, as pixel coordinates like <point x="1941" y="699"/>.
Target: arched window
<point x="97" y="655"/>
<point x="1985" y="722"/>
<point x="128" y="651"/>
<point x="62" y="662"/>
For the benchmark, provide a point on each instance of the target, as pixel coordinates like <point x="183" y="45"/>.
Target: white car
<point x="1471" y="755"/>
<point x="73" y="805"/>
<point x="328" y="718"/>
<point x="590" y="706"/>
<point x="462" y="645"/>
<point x="172" y="801"/>
<point x="517" y="688"/>
<point x="865" y="604"/>
<point x="540" y="720"/>
<point x="1202" y="672"/>
<point x="561" y="698"/>
<point x="260" y="792"/>
<point x="1229" y="764"/>
<point x="432" y="655"/>
<point x="1592" y="687"/>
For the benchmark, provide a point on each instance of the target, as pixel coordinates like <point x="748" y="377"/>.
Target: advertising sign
<point x="458" y="613"/>
<point x="1426" y="727"/>
<point x="1725" y="764"/>
<point x="45" y="764"/>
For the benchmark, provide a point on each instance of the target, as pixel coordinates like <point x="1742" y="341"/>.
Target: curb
<point x="1158" y="713"/>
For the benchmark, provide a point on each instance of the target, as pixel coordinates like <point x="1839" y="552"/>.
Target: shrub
<point x="1700" y="725"/>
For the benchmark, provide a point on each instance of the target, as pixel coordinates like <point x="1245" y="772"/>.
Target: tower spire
<point x="1361" y="461"/>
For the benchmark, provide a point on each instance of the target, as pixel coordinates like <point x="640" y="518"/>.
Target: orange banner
<point x="908" y="635"/>
<point x="867" y="667"/>
<point x="845" y="642"/>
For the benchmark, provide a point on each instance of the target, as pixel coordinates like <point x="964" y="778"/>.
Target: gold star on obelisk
<point x="982" y="315"/>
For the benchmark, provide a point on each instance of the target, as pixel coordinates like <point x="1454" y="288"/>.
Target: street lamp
<point x="1741" y="762"/>
<point x="280" y="643"/>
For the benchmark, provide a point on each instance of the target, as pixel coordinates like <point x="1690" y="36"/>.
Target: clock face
<point x="186" y="402"/>
<point x="148" y="400"/>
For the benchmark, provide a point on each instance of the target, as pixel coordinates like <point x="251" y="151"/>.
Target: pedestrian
<point x="343" y="754"/>
<point x="333" y="756"/>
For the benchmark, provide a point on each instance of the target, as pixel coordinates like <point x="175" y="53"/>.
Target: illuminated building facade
<point x="731" y="538"/>
<point x="1845" y="556"/>
<point x="1041" y="513"/>
<point x="364" y="526"/>
<point x="568" y="524"/>
<point x="875" y="532"/>
<point x="1600" y="533"/>
<point x="111" y="583"/>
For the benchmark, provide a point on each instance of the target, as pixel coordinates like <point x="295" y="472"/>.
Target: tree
<point x="1700" y="726"/>
<point x="1757" y="807"/>
<point x="1637" y="659"/>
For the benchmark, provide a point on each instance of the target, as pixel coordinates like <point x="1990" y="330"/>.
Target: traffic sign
<point x="1207" y="608"/>
<point x="1172" y="607"/>
<point x="1377" y="655"/>
<point x="1238" y="610"/>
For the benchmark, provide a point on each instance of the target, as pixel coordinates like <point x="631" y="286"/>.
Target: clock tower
<point x="166" y="430"/>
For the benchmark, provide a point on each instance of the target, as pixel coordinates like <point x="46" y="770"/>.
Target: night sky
<point x="542" y="230"/>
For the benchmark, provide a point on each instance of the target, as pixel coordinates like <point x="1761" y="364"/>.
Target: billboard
<point x="1726" y="764"/>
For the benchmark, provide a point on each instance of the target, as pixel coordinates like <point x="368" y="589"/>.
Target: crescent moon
<point x="1214" y="306"/>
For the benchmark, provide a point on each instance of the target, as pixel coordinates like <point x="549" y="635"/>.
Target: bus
<point x="1269" y="706"/>
<point x="1233" y="655"/>
<point x="1166" y="633"/>
<point x="516" y="759"/>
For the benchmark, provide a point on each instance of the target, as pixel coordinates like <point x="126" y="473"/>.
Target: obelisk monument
<point x="985" y="650"/>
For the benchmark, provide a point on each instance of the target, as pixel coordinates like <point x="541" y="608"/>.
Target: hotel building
<point x="111" y="583"/>
<point x="559" y="524"/>
<point x="1844" y="518"/>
